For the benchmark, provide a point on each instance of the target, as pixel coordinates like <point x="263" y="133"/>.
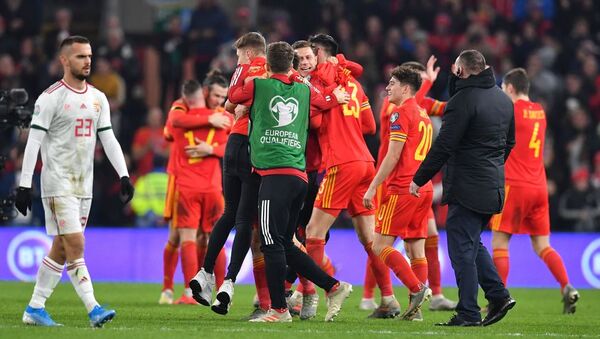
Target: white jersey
<point x="72" y="120"/>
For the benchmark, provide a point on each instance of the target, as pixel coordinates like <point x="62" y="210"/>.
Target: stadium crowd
<point x="557" y="42"/>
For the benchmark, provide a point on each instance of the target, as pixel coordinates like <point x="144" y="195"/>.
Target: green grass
<point x="538" y="313"/>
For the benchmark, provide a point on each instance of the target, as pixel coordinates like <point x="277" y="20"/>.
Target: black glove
<point x="126" y="190"/>
<point x="23" y="200"/>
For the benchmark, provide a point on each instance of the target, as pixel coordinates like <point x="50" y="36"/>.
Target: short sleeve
<point x="104" y="119"/>
<point x="43" y="112"/>
<point x="399" y="124"/>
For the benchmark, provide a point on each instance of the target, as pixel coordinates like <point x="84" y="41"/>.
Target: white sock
<point x="48" y="276"/>
<point x="81" y="280"/>
<point x="388" y="299"/>
<point x="187" y="292"/>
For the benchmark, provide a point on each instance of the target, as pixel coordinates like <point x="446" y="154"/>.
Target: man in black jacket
<point x="476" y="137"/>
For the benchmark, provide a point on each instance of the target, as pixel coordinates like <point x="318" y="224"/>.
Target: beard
<point x="79" y="76"/>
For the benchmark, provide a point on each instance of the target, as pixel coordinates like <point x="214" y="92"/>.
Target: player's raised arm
<point x="113" y="151"/>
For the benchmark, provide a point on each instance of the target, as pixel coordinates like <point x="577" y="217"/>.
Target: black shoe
<point x="497" y="311"/>
<point x="456" y="320"/>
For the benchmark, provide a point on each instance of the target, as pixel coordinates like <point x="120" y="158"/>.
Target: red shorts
<point x="197" y="210"/>
<point x="404" y="215"/>
<point x="344" y="186"/>
<point x="169" y="198"/>
<point x="526" y="211"/>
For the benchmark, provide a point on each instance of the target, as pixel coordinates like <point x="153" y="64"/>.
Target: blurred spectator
<point x="209" y="28"/>
<point x="30" y="66"/>
<point x="580" y="204"/>
<point x="9" y="76"/>
<point x="149" y="145"/>
<point x="172" y="47"/>
<point x="148" y="204"/>
<point x="121" y="57"/>
<point x="581" y="138"/>
<point x="243" y="21"/>
<point x="21" y="17"/>
<point x="107" y="80"/>
<point x="60" y="30"/>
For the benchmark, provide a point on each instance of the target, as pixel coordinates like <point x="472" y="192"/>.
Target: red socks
<point x="380" y="271"/>
<point x="370" y="281"/>
<point x="260" y="280"/>
<point x="189" y="261"/>
<point x="316" y="250"/>
<point x="556" y="265"/>
<point x="220" y="264"/>
<point x="419" y="267"/>
<point x="170" y="258"/>
<point x="433" y="264"/>
<point x="394" y="260"/>
<point x="502" y="263"/>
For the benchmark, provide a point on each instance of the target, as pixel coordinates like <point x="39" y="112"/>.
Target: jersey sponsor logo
<point x="83" y="106"/>
<point x="395" y="116"/>
<point x="284" y="110"/>
<point x="395" y="128"/>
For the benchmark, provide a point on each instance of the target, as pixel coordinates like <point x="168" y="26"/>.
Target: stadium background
<point x="144" y="49"/>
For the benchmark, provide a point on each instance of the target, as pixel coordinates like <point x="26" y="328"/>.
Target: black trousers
<point x="280" y="199"/>
<point x="471" y="261"/>
<point x="240" y="190"/>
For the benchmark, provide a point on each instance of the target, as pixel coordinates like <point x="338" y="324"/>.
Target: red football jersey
<point x="178" y="105"/>
<point x="202" y="174"/>
<point x="257" y="68"/>
<point x="341" y="132"/>
<point x="525" y="164"/>
<point x="410" y="124"/>
<point x="384" y="128"/>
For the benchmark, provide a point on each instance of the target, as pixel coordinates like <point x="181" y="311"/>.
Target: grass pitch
<point x="538" y="313"/>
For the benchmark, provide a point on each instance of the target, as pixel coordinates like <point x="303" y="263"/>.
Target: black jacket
<point x="477" y="134"/>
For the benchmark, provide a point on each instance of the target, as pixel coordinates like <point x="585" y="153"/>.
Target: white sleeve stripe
<point x="236" y="76"/>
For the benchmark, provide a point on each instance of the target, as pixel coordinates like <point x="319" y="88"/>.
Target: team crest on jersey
<point x="37" y="109"/>
<point x="394" y="117"/>
<point x="285" y="111"/>
<point x="253" y="70"/>
<point x="96" y="106"/>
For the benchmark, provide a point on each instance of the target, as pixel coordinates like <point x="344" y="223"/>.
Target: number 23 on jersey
<point x="83" y="127"/>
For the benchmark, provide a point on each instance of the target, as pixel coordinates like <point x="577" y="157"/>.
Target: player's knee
<point x="416" y="249"/>
<point x="500" y="240"/>
<point x="313" y="231"/>
<point x="187" y="234"/>
<point x="378" y="248"/>
<point x="539" y="244"/>
<point x="74" y="245"/>
<point x="202" y="239"/>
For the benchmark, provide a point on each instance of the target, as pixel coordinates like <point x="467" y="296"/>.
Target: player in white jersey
<point x="68" y="117"/>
